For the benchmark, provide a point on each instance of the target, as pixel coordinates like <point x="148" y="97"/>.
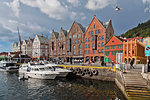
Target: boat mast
<point x="19" y="38"/>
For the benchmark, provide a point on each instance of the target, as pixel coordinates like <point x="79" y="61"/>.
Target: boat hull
<point x="41" y="76"/>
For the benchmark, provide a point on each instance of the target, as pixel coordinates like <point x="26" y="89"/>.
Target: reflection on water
<point x="59" y="89"/>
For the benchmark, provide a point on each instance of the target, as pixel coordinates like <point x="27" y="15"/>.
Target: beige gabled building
<point x="40" y="47"/>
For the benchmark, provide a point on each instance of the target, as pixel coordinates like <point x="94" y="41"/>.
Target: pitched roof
<point x="81" y="27"/>
<point x="64" y="31"/>
<point x="55" y="33"/>
<point x="43" y="39"/>
<point x="105" y="24"/>
<point x="120" y="39"/>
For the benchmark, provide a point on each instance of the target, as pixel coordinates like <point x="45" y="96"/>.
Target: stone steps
<point x="136" y="85"/>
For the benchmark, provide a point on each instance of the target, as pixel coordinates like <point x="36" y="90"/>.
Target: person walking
<point x="112" y="63"/>
<point x="131" y="64"/>
<point x="89" y="62"/>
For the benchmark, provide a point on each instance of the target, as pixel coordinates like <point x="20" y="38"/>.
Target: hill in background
<point x="142" y="30"/>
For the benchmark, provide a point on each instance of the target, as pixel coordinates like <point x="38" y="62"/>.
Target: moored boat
<point x="8" y="66"/>
<point x="38" y="71"/>
<point x="62" y="71"/>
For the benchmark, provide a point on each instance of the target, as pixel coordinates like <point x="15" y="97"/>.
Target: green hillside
<point x="142" y="30"/>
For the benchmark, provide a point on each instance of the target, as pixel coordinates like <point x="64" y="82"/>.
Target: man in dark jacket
<point x="131" y="64"/>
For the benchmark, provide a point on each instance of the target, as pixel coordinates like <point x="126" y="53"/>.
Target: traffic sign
<point x="147" y="50"/>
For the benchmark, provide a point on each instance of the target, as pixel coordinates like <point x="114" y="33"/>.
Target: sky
<point x="41" y="16"/>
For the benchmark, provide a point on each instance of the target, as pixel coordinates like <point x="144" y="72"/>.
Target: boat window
<point x="50" y="67"/>
<point x="41" y="68"/>
<point x="36" y="69"/>
<point x="10" y="64"/>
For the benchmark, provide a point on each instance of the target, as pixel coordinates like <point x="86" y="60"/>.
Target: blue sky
<point x="41" y="16"/>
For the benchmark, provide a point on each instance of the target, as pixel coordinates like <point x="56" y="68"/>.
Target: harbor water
<point x="59" y="89"/>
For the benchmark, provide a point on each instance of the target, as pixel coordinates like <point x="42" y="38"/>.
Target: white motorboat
<point x="39" y="71"/>
<point x="62" y="71"/>
<point x="8" y="66"/>
<point x="23" y="71"/>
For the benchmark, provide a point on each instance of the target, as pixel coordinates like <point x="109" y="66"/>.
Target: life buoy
<point x="95" y="72"/>
<point x="74" y="71"/>
<point x="82" y="73"/>
<point x="90" y="73"/>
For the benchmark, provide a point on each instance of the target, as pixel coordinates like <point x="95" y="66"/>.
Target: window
<point x="80" y="52"/>
<point x="99" y="44"/>
<point x="129" y="47"/>
<point x="89" y="45"/>
<point x="112" y="41"/>
<point x="79" y="35"/>
<point x="99" y="38"/>
<point x="102" y="50"/>
<point x="129" y="52"/>
<point x="89" y="33"/>
<point x="93" y="45"/>
<point x="74" y="52"/>
<point x="113" y="47"/>
<point x="102" y="44"/>
<point x="99" y="51"/>
<point x="133" y="51"/>
<point x="125" y="52"/>
<point x="103" y="37"/>
<point x="78" y="41"/>
<point x="86" y="51"/>
<point x="92" y="32"/>
<point x="119" y="46"/>
<point x="99" y="31"/>
<point x="94" y="26"/>
<point x="75" y="41"/>
<point x="125" y="47"/>
<point x="86" y="39"/>
<point x="133" y="47"/>
<point x="89" y="51"/>
<point x="80" y="46"/>
<point x="74" y="36"/>
<point x="89" y="39"/>
<point x="86" y="45"/>
<point x="93" y="51"/>
<point x="95" y="31"/>
<point x="74" y="47"/>
<point x="107" y="48"/>
<point x="107" y="53"/>
<point x="93" y="38"/>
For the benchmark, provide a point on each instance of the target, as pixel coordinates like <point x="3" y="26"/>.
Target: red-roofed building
<point x="113" y="46"/>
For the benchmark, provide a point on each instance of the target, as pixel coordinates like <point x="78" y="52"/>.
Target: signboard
<point x="147" y="50"/>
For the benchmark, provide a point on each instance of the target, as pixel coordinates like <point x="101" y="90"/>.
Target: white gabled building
<point x="24" y="47"/>
<point x="15" y="47"/>
<point x="40" y="47"/>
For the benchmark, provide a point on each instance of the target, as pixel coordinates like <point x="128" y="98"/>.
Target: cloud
<point x="52" y="8"/>
<point x="147" y="2"/>
<point x="14" y="5"/>
<point x="9" y="29"/>
<point x="75" y="3"/>
<point x="98" y="4"/>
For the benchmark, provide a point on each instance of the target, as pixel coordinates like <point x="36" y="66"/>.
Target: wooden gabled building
<point x="75" y="44"/>
<point x="53" y="45"/>
<point x="61" y="44"/>
<point x="96" y="35"/>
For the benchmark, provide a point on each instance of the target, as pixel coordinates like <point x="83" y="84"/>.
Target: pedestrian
<point x="131" y="64"/>
<point x="112" y="63"/>
<point x="89" y="62"/>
